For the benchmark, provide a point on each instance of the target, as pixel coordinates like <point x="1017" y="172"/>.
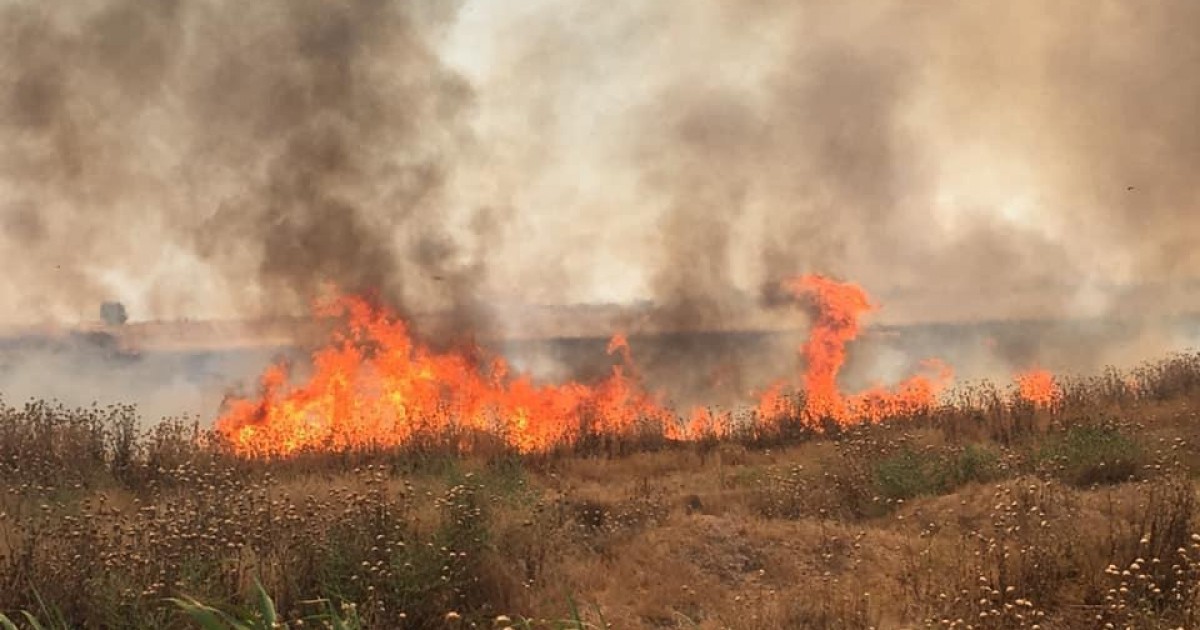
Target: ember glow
<point x="373" y="385"/>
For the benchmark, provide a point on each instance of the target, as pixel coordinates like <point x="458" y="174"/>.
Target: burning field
<point x="390" y="483"/>
<point x="547" y="315"/>
<point x="375" y="386"/>
<point x="397" y="486"/>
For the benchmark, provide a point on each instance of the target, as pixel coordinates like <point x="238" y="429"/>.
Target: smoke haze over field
<point x="985" y="146"/>
<point x="214" y="158"/>
<point x="227" y="159"/>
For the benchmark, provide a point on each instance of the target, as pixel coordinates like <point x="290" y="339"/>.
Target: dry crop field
<point x="988" y="511"/>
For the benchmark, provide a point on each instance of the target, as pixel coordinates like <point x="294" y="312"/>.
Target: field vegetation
<point x="988" y="511"/>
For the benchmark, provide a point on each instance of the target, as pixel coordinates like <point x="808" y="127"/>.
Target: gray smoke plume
<point x="267" y="149"/>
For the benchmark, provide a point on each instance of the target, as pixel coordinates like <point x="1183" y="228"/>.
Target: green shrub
<point x="910" y="474"/>
<point x="907" y="474"/>
<point x="1089" y="455"/>
<point x="974" y="463"/>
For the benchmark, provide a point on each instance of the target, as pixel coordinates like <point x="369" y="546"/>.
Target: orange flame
<point x="702" y="423"/>
<point x="1037" y="386"/>
<point x="839" y="307"/>
<point x="912" y="396"/>
<point x="374" y="386"/>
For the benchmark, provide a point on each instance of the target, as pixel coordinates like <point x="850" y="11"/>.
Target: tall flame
<point x="839" y="307"/>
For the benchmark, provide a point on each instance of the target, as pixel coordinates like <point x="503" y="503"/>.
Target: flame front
<point x="374" y="386"/>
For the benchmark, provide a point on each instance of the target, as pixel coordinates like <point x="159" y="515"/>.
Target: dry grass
<point x="987" y="513"/>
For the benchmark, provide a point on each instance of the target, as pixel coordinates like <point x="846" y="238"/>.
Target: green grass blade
<point x="333" y="618"/>
<point x="266" y="607"/>
<point x="575" y="618"/>
<point x="53" y="615"/>
<point x="32" y="621"/>
<point x="207" y="617"/>
<point x="6" y="623"/>
<point x="328" y="614"/>
<point x="201" y="616"/>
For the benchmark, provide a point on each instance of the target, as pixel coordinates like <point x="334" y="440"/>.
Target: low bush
<point x="1090" y="455"/>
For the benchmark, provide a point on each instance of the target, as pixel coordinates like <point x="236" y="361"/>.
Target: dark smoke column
<point x="280" y="145"/>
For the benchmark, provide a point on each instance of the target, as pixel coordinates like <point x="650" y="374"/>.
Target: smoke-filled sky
<point x="215" y="158"/>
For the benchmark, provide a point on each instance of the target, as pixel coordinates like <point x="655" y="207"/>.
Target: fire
<point x="839" y="307"/>
<point x="774" y="404"/>
<point x="1037" y="386"/>
<point x="620" y="343"/>
<point x="914" y="395"/>
<point x="701" y="423"/>
<point x="374" y="385"/>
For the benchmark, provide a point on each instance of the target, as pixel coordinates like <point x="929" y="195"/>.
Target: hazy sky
<point x="206" y="160"/>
